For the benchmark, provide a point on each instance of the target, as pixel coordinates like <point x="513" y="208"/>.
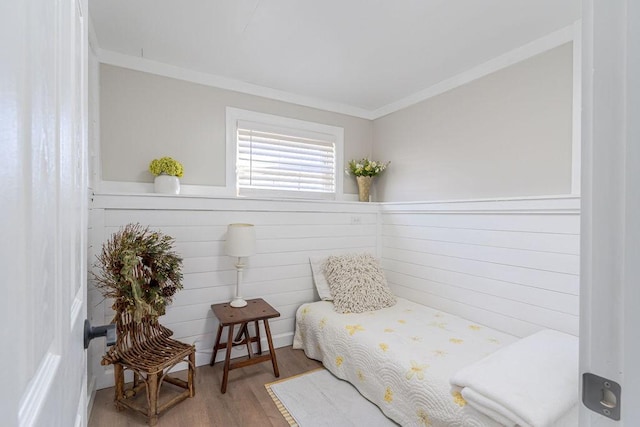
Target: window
<point x="280" y="157"/>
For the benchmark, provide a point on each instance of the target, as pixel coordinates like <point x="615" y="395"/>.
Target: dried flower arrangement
<point x="139" y="270"/>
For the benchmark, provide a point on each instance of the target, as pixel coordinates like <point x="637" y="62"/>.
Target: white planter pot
<point x="166" y="184"/>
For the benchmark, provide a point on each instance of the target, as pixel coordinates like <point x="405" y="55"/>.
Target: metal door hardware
<point x="91" y="332"/>
<point x="601" y="395"/>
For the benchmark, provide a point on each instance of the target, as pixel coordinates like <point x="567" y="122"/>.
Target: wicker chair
<point x="145" y="348"/>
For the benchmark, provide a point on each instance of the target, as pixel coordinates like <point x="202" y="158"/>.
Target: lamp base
<point x="238" y="302"/>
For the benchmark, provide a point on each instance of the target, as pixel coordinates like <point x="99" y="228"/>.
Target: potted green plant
<point x="167" y="172"/>
<point x="139" y="270"/>
<point x="365" y="170"/>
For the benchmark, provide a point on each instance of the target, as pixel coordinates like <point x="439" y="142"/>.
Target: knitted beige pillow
<point x="357" y="283"/>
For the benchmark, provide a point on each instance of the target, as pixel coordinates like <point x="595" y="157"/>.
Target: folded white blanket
<point x="532" y="382"/>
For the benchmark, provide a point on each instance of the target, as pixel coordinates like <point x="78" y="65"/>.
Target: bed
<point x="402" y="358"/>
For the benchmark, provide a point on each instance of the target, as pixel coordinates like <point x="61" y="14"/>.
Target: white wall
<point x="508" y="134"/>
<point x="512" y="265"/>
<point x="288" y="233"/>
<point x="144" y="116"/>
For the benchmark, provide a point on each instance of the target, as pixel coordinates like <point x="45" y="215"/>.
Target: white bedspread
<point x="530" y="383"/>
<point x="401" y="358"/>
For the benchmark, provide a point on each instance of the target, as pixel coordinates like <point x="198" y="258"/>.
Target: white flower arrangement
<point x="366" y="167"/>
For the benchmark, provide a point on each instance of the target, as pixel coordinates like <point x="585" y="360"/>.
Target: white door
<point x="43" y="212"/>
<point x="610" y="216"/>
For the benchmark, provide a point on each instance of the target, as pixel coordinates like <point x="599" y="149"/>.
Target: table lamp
<point x="241" y="242"/>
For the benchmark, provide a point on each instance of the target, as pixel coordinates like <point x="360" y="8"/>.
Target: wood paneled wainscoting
<point x="512" y="265"/>
<point x="288" y="232"/>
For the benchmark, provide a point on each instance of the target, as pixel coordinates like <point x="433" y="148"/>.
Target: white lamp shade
<point x="241" y="240"/>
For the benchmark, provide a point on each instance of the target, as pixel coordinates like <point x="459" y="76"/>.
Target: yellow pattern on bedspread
<point x="406" y="353"/>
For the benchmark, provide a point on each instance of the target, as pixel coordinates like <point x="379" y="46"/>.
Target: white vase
<point x="166" y="184"/>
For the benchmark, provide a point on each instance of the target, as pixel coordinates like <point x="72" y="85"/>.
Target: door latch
<point x="91" y="332"/>
<point x="601" y="395"/>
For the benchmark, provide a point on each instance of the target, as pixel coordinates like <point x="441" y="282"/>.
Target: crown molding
<point x="512" y="57"/>
<point x="172" y="71"/>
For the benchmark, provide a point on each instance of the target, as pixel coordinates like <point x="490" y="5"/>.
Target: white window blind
<point x="280" y="161"/>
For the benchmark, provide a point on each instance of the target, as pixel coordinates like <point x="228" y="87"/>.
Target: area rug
<point x="317" y="398"/>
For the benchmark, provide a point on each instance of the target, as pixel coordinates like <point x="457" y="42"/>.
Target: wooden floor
<point x="245" y="404"/>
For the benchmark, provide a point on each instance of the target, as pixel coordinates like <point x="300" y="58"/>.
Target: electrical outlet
<point x="356" y="220"/>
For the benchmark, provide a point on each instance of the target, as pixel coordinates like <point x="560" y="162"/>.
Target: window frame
<point x="233" y="115"/>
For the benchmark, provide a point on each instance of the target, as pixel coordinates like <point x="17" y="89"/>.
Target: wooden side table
<point x="255" y="310"/>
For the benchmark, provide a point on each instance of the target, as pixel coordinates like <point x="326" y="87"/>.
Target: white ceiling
<point x="362" y="55"/>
